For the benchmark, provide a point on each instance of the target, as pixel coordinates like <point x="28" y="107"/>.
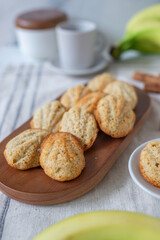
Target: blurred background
<point x="111" y="16"/>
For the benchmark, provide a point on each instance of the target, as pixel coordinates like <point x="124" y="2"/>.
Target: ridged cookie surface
<point x="89" y="102"/>
<point x="100" y="82"/>
<point x="119" y="88"/>
<point x="72" y="95"/>
<point x="114" y="116"/>
<point x="150" y="163"/>
<point x="23" y="151"/>
<point x="81" y="124"/>
<point x="62" y="156"/>
<point x="48" y="117"/>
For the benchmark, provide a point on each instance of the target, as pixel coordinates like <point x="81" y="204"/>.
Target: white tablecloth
<point x="25" y="87"/>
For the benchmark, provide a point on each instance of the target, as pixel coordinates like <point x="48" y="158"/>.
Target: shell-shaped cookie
<point x="100" y="82"/>
<point x="48" y="117"/>
<point x="114" y="116"/>
<point x="89" y="102"/>
<point x="72" y="95"/>
<point x="150" y="163"/>
<point x="62" y="156"/>
<point x="81" y="124"/>
<point x="124" y="89"/>
<point x="23" y="151"/>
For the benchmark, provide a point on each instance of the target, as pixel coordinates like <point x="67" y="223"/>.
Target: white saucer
<point x="100" y="64"/>
<point x="133" y="166"/>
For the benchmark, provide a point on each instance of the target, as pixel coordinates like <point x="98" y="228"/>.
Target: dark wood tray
<point x="34" y="187"/>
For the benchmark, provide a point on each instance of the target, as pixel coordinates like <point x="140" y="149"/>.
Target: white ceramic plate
<point x="133" y="166"/>
<point x="100" y="64"/>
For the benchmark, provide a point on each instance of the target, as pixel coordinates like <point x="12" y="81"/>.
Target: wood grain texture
<point x="34" y="187"/>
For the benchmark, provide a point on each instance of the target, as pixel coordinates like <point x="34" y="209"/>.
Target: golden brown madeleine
<point x="150" y="163"/>
<point x="72" y="95"/>
<point x="48" y="117"/>
<point x="62" y="156"/>
<point x="114" y="116"/>
<point x="81" y="124"/>
<point x="99" y="82"/>
<point x="124" y="89"/>
<point x="89" y="102"/>
<point x="23" y="151"/>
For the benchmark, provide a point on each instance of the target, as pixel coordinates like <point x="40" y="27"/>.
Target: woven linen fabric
<point x="24" y="88"/>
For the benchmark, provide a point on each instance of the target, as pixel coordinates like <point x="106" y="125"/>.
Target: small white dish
<point x="100" y="64"/>
<point x="133" y="166"/>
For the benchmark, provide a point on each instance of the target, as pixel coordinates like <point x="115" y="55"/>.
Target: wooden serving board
<point x="34" y="187"/>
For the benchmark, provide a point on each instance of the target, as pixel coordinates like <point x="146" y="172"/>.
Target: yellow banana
<point x="149" y="14"/>
<point x="112" y="225"/>
<point x="142" y="33"/>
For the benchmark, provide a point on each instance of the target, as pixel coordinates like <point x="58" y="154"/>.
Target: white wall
<point x="111" y="16"/>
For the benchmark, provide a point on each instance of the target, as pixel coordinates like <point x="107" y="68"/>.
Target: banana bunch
<point x="142" y="33"/>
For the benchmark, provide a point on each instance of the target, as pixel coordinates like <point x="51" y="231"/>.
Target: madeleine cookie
<point x="114" y="116"/>
<point x="81" y="124"/>
<point x="71" y="97"/>
<point x="123" y="89"/>
<point x="48" y="117"/>
<point x="62" y="156"/>
<point x="23" y="151"/>
<point x="89" y="102"/>
<point x="150" y="163"/>
<point x="100" y="82"/>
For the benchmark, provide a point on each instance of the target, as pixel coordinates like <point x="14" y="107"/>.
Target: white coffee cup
<point x="77" y="44"/>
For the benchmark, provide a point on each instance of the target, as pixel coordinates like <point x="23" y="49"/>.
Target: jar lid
<point x="40" y="19"/>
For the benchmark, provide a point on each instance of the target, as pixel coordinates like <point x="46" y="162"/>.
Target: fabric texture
<point x="26" y="87"/>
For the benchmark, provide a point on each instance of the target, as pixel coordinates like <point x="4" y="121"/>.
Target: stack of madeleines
<point x="62" y="130"/>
